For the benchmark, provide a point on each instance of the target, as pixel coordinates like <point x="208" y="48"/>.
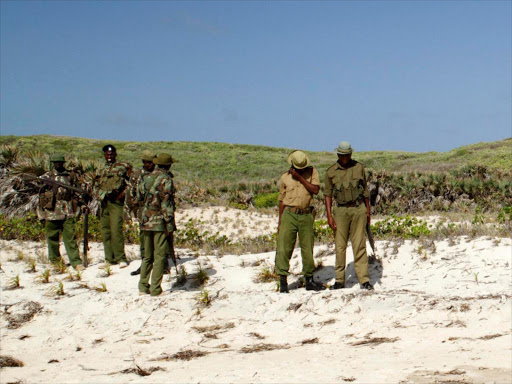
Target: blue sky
<point x="385" y="75"/>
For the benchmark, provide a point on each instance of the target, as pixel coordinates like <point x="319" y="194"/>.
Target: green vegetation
<point x="236" y="162"/>
<point x="404" y="227"/>
<point x="267" y="200"/>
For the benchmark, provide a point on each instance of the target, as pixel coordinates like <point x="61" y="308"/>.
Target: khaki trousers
<point x="351" y="224"/>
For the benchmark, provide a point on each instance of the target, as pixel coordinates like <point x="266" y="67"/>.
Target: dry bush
<point x="141" y="371"/>
<point x="186" y="355"/>
<point x="8" y="361"/>
<point x="375" y="341"/>
<point x="213" y="328"/>
<point x="30" y="310"/>
<point x="263" y="347"/>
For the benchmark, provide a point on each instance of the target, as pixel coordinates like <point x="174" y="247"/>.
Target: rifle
<point x="86" y="196"/>
<point x="370" y="237"/>
<point x="86" y="236"/>
<point x="169" y="238"/>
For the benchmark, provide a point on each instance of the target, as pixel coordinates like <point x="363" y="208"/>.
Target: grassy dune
<point x="234" y="162"/>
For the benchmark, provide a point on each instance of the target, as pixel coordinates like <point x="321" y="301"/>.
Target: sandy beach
<point x="440" y="314"/>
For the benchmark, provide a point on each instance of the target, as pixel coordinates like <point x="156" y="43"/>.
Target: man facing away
<point x="156" y="193"/>
<point x="58" y="208"/>
<point x="297" y="187"/>
<point x="110" y="185"/>
<point x="347" y="190"/>
<point x="131" y="205"/>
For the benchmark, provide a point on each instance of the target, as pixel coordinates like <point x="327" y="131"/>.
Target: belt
<point x="299" y="211"/>
<point x="354" y="203"/>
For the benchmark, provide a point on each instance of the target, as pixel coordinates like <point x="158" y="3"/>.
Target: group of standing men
<point x="347" y="206"/>
<point x="148" y="194"/>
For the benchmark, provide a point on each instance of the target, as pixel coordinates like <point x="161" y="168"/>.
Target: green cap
<point x="57" y="157"/>
<point x="163" y="159"/>
<point x="344" y="148"/>
<point x="147" y="155"/>
<point x="299" y="160"/>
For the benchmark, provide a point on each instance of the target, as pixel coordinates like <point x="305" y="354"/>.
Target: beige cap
<point x="344" y="148"/>
<point x="299" y="160"/>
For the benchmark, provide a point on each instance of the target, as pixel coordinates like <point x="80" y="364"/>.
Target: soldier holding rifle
<point x="58" y="208"/>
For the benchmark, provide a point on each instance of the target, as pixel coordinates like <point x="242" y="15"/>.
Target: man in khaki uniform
<point x="346" y="188"/>
<point x="297" y="187"/>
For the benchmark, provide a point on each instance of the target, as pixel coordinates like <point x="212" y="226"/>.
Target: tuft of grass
<point x="59" y="289"/>
<point x="60" y="267"/>
<point x="266" y="275"/>
<point x="44" y="277"/>
<point x="182" y="277"/>
<point x="102" y="288"/>
<point x="20" y="256"/>
<point x="13" y="283"/>
<point x="201" y="275"/>
<point x="204" y="298"/>
<point x="108" y="271"/>
<point x="32" y="264"/>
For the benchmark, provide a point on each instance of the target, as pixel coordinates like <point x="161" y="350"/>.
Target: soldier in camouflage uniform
<point x="156" y="193"/>
<point x="58" y="208"/>
<point x="110" y="187"/>
<point x="132" y="206"/>
<point x="347" y="190"/>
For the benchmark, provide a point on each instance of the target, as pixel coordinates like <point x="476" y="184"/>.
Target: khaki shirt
<point x="291" y="191"/>
<point x="337" y="175"/>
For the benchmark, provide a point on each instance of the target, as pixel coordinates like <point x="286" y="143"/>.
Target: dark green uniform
<point x="156" y="193"/>
<point x="348" y="189"/>
<point x="111" y="182"/>
<point x="59" y="207"/>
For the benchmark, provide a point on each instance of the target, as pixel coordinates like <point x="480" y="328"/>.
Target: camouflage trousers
<point x="111" y="222"/>
<point x="351" y="223"/>
<point x="156" y="248"/>
<point x="67" y="227"/>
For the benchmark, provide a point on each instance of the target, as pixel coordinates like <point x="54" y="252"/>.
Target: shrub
<point x="267" y="200"/>
<point x="401" y="226"/>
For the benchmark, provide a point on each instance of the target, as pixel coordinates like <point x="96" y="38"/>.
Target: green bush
<point x="401" y="226"/>
<point x="322" y="232"/>
<point x="30" y="228"/>
<point x="266" y="200"/>
<point x="21" y="228"/>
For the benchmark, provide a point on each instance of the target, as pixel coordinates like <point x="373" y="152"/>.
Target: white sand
<point x="442" y="317"/>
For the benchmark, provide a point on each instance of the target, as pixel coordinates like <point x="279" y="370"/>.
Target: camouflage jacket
<point x="111" y="181"/>
<point x="59" y="203"/>
<point x="156" y="194"/>
<point x="132" y="206"/>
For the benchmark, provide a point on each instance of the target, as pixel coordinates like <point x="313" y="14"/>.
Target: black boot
<point x="135" y="273"/>
<point x="338" y="285"/>
<point x="312" y="285"/>
<point x="167" y="267"/>
<point x="367" y="286"/>
<point x="283" y="284"/>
